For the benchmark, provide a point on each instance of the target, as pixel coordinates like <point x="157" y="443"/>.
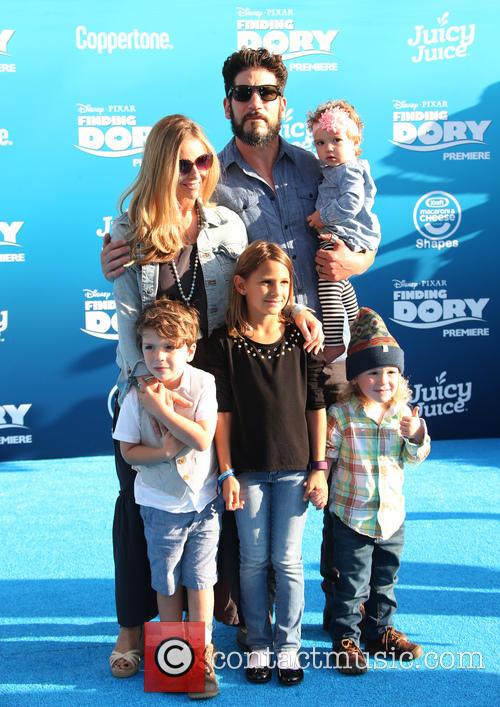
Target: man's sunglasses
<point x="244" y="93"/>
<point x="203" y="162"/>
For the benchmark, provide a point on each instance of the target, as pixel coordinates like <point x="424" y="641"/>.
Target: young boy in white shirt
<point x="171" y="448"/>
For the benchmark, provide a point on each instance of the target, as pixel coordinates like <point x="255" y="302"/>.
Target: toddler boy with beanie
<point x="372" y="432"/>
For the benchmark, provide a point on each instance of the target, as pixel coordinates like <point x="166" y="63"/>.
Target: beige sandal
<point x="133" y="657"/>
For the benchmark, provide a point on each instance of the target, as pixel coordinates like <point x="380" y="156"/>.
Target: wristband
<point x="318" y="466"/>
<point x="225" y="475"/>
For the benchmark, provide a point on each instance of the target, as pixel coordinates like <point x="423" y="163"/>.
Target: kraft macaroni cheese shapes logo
<point x="437" y="215"/>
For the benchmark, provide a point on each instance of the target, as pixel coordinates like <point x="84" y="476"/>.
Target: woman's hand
<point x="114" y="255"/>
<point x="311" y="330"/>
<point x="231" y="494"/>
<point x="316" y="489"/>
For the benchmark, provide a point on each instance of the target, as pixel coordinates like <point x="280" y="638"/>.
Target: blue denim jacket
<point x="221" y="240"/>
<point x="345" y="202"/>
<point x="278" y="216"/>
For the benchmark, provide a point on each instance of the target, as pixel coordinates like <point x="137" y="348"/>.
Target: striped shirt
<point x="367" y="486"/>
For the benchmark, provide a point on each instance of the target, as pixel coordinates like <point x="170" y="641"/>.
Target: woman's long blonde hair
<point x="153" y="211"/>
<point x="252" y="257"/>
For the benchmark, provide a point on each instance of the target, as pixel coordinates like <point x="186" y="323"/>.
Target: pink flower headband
<point x="336" y="120"/>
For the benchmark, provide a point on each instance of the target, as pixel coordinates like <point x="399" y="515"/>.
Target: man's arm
<point x="341" y="262"/>
<point x="114" y="255"/>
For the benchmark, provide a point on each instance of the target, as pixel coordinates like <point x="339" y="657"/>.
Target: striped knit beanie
<point x="371" y="345"/>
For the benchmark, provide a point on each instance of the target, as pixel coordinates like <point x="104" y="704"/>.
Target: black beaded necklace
<point x="173" y="267"/>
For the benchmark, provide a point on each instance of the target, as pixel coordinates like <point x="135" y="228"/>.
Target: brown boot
<point x="211" y="686"/>
<point x="349" y="658"/>
<point x="394" y="644"/>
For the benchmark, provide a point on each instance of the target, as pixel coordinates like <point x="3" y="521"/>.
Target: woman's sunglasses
<point x="244" y="93"/>
<point x="203" y="162"/>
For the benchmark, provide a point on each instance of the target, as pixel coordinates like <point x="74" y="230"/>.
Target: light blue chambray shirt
<point x="277" y="216"/>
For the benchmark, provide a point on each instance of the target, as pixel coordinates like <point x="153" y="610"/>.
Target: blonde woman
<point x="185" y="249"/>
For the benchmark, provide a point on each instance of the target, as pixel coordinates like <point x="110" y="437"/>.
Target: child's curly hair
<point x="402" y="395"/>
<point x="171" y="320"/>
<point x="314" y="116"/>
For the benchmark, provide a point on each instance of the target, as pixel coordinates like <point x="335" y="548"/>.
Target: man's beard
<point x="255" y="137"/>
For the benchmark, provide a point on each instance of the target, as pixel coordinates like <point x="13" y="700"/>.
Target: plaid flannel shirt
<point x="367" y="486"/>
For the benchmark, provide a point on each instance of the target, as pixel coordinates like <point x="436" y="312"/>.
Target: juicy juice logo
<point x="443" y="42"/>
<point x="443" y="398"/>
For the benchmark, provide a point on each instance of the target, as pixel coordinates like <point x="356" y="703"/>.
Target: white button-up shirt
<point x="189" y="481"/>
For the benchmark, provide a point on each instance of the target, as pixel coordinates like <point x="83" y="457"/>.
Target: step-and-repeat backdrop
<point x="81" y="84"/>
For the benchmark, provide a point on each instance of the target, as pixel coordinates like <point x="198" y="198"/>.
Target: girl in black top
<point x="271" y="425"/>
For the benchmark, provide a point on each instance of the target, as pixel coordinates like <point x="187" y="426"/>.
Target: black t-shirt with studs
<point x="267" y="388"/>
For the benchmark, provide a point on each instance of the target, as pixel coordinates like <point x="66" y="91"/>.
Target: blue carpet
<point x="57" y="604"/>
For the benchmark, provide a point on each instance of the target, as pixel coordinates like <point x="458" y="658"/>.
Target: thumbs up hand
<point x="412" y="428"/>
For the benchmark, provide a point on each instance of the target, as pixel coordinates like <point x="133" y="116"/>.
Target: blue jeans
<point x="368" y="572"/>
<point x="270" y="529"/>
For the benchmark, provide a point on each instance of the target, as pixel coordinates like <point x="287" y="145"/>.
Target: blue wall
<point x="81" y="84"/>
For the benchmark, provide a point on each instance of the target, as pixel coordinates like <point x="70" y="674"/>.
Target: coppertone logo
<point x="425" y="127"/>
<point x="426" y="305"/>
<point x="4" y="322"/>
<point x="110" y="131"/>
<point x="100" y="315"/>
<point x="109" y="42"/>
<point x="437" y="216"/>
<point x="12" y="419"/>
<point x="5" y="37"/>
<point x="296" y="132"/>
<point x="8" y="240"/>
<point x="441" y="397"/>
<point x="441" y="43"/>
<point x="276" y="30"/>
